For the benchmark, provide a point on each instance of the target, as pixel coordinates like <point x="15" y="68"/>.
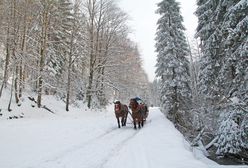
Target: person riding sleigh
<point x="142" y="106"/>
<point x="141" y="103"/>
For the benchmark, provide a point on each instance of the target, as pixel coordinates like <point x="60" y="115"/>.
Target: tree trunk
<point x="68" y="89"/>
<point x="92" y="57"/>
<point x="102" y="96"/>
<point x="16" y="26"/>
<point x="16" y="85"/>
<point x="193" y="75"/>
<point x="42" y="54"/>
<point x="89" y="89"/>
<point x="69" y="72"/>
<point x="23" y="50"/>
<point x="7" y="59"/>
<point x="11" y="93"/>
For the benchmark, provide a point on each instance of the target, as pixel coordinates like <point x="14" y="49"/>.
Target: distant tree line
<point x="76" y="50"/>
<point x="204" y="86"/>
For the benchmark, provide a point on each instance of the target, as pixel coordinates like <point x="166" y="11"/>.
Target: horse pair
<point x="139" y="113"/>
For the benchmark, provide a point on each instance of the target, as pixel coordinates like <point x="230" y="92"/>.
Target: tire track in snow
<point x="73" y="148"/>
<point x="116" y="139"/>
<point x="110" y="149"/>
<point x="91" y="149"/>
<point x="116" y="150"/>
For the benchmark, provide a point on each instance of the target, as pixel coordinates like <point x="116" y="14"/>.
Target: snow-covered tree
<point x="155" y="93"/>
<point x="234" y="72"/>
<point x="210" y="38"/>
<point x="126" y="73"/>
<point x="232" y="133"/>
<point x="172" y="64"/>
<point x="105" y="24"/>
<point x="68" y="48"/>
<point x="235" y="40"/>
<point x="222" y="30"/>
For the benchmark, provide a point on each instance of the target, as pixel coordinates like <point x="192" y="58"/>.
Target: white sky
<point x="143" y="25"/>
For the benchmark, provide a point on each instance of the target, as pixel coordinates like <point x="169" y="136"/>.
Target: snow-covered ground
<point x="90" y="139"/>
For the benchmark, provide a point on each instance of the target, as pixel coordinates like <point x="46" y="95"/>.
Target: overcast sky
<point x="143" y="25"/>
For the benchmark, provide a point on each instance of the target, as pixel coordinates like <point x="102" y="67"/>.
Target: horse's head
<point x="133" y="104"/>
<point x="117" y="105"/>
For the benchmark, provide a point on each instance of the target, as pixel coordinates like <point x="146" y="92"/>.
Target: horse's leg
<point x="118" y="121"/>
<point x="134" y="123"/>
<point x="142" y="119"/>
<point x="125" y="119"/>
<point x="139" y="121"/>
<point x="122" y="121"/>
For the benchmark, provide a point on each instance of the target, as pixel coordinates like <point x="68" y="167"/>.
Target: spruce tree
<point x="210" y="63"/>
<point x="222" y="30"/>
<point x="172" y="64"/>
<point x="235" y="36"/>
<point x="233" y="74"/>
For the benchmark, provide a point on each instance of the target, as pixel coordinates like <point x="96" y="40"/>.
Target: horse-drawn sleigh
<point x="139" y="113"/>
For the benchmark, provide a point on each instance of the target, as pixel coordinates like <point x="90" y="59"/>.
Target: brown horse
<point x="139" y="113"/>
<point x="121" y="111"/>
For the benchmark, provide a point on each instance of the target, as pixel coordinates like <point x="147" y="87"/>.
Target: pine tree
<point x="209" y="35"/>
<point x="60" y="37"/>
<point x="47" y="7"/>
<point x="68" y="47"/>
<point x="233" y="73"/>
<point x="172" y="64"/>
<point x="62" y="62"/>
<point x="235" y="36"/>
<point x="222" y="30"/>
<point x="229" y="135"/>
<point x="155" y="92"/>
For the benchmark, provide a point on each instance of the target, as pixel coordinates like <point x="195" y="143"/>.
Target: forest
<point x="204" y="85"/>
<point x="80" y="50"/>
<point x="76" y="51"/>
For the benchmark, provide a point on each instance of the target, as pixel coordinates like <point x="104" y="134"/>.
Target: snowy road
<point x="93" y="141"/>
<point x="94" y="153"/>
